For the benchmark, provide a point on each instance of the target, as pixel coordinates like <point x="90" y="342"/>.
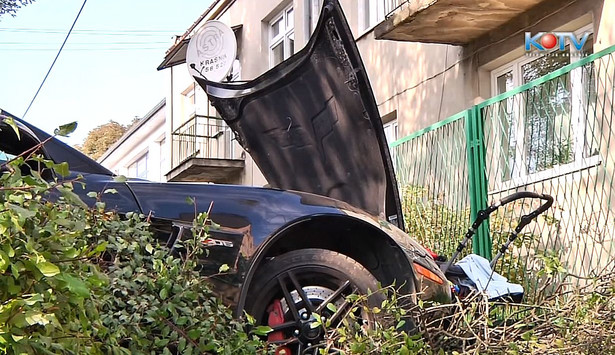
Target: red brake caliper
<point x="276" y="317"/>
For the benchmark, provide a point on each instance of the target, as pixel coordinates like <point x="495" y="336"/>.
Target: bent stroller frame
<point x="454" y="273"/>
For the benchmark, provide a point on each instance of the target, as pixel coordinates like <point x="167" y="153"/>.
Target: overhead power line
<point x="133" y="33"/>
<point x="15" y="29"/>
<point x="85" y="49"/>
<point x="86" y="43"/>
<point x="55" y="59"/>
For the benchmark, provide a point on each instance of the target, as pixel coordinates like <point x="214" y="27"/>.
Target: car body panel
<point x="121" y="200"/>
<point x="312" y="124"/>
<point x="246" y="218"/>
<point x="98" y="178"/>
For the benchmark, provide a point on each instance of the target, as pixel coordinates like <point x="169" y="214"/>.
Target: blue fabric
<point x="486" y="280"/>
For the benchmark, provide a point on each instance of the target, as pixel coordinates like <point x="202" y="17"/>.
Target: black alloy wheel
<point x="303" y="283"/>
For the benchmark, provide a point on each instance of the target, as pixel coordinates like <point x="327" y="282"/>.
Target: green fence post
<point x="475" y="140"/>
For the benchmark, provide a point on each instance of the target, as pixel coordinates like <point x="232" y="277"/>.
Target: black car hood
<point x="312" y="124"/>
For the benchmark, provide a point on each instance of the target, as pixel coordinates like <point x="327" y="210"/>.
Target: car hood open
<point x="312" y="124"/>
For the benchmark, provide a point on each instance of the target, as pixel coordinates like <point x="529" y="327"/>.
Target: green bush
<point x="432" y="222"/>
<point x="83" y="280"/>
<point x="47" y="281"/>
<point x="156" y="302"/>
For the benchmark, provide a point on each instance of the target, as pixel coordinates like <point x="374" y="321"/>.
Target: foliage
<point x="45" y="284"/>
<point x="158" y="302"/>
<point x="79" y="279"/>
<point x="102" y="138"/>
<point x="389" y="335"/>
<point x="432" y="222"/>
<point x="11" y="6"/>
<point x="578" y="320"/>
<point x="571" y="321"/>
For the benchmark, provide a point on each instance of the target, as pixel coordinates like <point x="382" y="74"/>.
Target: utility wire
<point x="134" y="49"/>
<point x="85" y="43"/>
<point x="55" y="30"/>
<point x="90" y="34"/>
<point x="55" y="59"/>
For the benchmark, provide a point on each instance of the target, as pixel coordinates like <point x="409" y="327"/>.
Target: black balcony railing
<point x="390" y="6"/>
<point x="202" y="137"/>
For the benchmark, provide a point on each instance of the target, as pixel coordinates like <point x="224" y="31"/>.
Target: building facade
<point x="142" y="152"/>
<point x="528" y="106"/>
<point x="426" y="60"/>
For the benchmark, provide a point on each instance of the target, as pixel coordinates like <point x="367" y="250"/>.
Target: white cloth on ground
<point x="478" y="270"/>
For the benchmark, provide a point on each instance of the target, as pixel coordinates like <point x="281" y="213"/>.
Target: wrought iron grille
<point x="202" y="137"/>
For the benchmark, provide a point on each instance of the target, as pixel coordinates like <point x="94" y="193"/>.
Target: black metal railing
<point x="390" y="6"/>
<point x="202" y="137"/>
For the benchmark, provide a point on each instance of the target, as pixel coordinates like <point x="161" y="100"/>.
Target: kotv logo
<point x="545" y="41"/>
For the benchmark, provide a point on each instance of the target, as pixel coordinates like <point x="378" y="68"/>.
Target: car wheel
<point x="291" y="291"/>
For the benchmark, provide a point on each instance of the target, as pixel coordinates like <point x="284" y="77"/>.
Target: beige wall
<point x="147" y="138"/>
<point x="412" y="78"/>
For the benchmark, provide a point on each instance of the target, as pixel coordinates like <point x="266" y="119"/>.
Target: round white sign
<point x="211" y="51"/>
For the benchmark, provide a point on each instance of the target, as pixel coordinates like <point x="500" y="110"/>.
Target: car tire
<point x="323" y="276"/>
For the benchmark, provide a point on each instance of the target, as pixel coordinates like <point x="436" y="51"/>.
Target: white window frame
<point x="391" y="126"/>
<point x="163" y="158"/>
<point x="377" y="11"/>
<point x="394" y="126"/>
<point x="135" y="166"/>
<point x="520" y="175"/>
<point x="229" y="141"/>
<point x="312" y="11"/>
<point x="287" y="33"/>
<point x="189" y="94"/>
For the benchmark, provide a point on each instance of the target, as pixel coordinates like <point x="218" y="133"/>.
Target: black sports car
<point x="330" y="225"/>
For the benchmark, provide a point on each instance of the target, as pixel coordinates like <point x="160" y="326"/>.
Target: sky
<point x="107" y="69"/>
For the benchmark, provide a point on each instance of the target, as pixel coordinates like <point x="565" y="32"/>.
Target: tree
<point x="11" y="6"/>
<point x="101" y="138"/>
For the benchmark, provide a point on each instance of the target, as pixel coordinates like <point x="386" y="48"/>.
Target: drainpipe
<point x="170" y="125"/>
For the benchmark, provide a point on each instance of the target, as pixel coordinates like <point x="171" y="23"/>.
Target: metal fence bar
<point x="433" y="180"/>
<point x="476" y="171"/>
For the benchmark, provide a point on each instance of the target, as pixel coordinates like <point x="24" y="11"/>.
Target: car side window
<point x="5" y="157"/>
<point x="12" y="145"/>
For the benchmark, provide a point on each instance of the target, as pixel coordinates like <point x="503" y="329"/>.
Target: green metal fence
<point x="432" y="172"/>
<point x="552" y="134"/>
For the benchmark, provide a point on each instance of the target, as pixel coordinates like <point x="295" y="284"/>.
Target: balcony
<point x="203" y="150"/>
<point x="457" y="22"/>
